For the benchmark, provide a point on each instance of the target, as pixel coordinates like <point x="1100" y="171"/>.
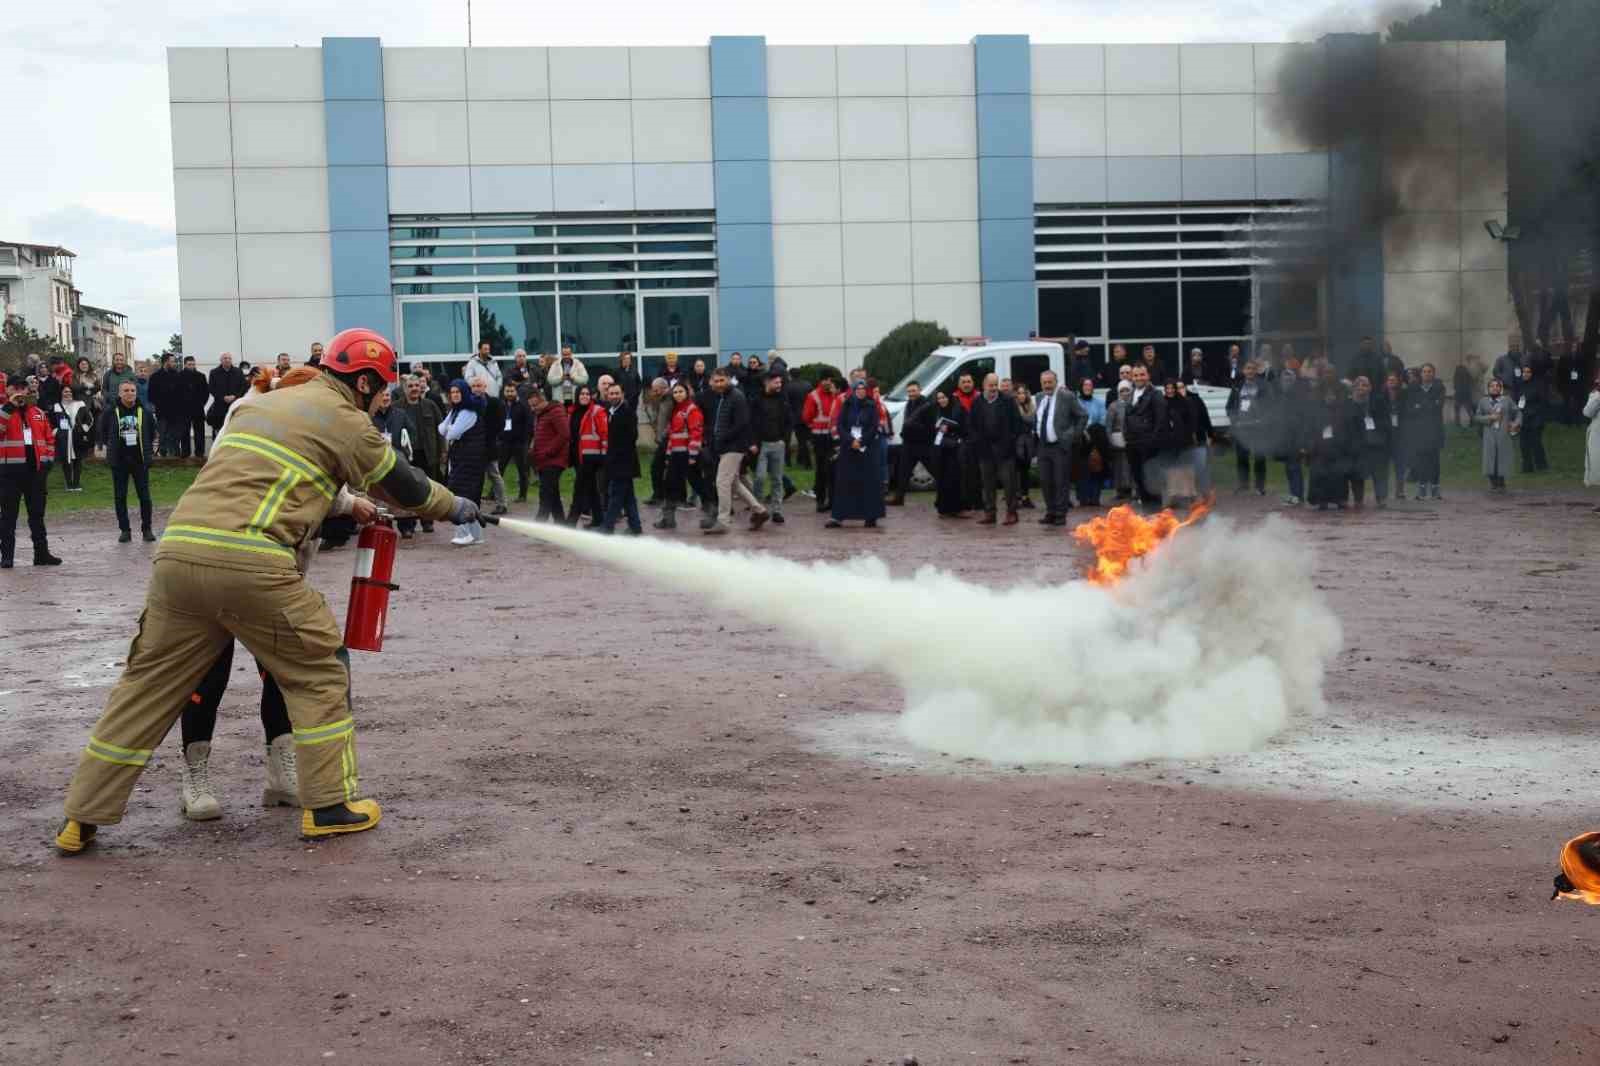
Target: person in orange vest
<point x="594" y="430"/>
<point x="27" y="448"/>
<point x="819" y="412"/>
<point x="686" y="434"/>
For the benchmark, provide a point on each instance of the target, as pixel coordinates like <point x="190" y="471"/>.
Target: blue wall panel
<point x="358" y="183"/>
<point x="1003" y="72"/>
<point x="746" y="313"/>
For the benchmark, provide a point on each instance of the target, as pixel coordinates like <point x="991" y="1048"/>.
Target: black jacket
<point x="917" y="421"/>
<point x="728" y="418"/>
<point x="521" y="426"/>
<point x="396" y="424"/>
<point x="1201" y="430"/>
<point x="1177" y="432"/>
<point x="164" y="395"/>
<point x="630" y="382"/>
<point x="1424" y="417"/>
<point x="224" y="382"/>
<point x="193" y="392"/>
<point x="770" y="417"/>
<point x="492" y="420"/>
<point x="119" y="455"/>
<point x="1147" y="419"/>
<point x="622" y="442"/>
<point x="993" y="428"/>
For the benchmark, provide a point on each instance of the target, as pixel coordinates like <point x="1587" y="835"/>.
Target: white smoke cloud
<point x="1210" y="647"/>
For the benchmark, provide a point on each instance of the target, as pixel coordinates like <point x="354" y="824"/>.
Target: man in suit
<point x="993" y="425"/>
<point x="1147" y="416"/>
<point x="916" y="440"/>
<point x="226" y="384"/>
<point x="1058" y="421"/>
<point x="622" y="462"/>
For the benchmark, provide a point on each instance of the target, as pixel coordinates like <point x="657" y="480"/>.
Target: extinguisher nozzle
<point x="488" y="519"/>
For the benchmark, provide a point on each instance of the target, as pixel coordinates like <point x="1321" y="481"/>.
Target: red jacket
<point x="593" y="432"/>
<point x="687" y="432"/>
<point x="551" y="437"/>
<point x="820" y="410"/>
<point x="14" y="423"/>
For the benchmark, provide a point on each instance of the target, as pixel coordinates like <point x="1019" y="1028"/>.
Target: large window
<point x="437" y="327"/>
<point x="540" y="283"/>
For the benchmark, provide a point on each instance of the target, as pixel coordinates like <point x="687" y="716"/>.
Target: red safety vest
<point x="821" y="408"/>
<point x="593" y="431"/>
<point x="688" y="430"/>
<point x="13" y="443"/>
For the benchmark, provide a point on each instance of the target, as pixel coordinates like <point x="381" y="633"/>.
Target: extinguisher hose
<point x="390" y="585"/>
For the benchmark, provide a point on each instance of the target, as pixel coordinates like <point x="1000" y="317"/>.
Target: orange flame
<point x="1123" y="535"/>
<point x="1580" y="869"/>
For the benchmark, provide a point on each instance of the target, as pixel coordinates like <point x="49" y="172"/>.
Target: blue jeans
<point x="620" y="501"/>
<point x="1296" y="475"/>
<point x="769" y="475"/>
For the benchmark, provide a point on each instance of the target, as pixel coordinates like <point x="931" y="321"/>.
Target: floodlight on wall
<point x="1502" y="233"/>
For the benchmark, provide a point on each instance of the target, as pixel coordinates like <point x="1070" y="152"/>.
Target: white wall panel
<point x="279" y="135"/>
<point x="589" y="74"/>
<point x="1483" y="182"/>
<point x="802" y="70"/>
<point x="1479" y="251"/>
<point x="875" y="127"/>
<point x="1069" y="126"/>
<point x="197" y="74"/>
<point x="208" y="268"/>
<point x="1217" y="68"/>
<point x="958" y="308"/>
<point x="803" y="128"/>
<point x="1306" y="60"/>
<point x="1215" y="124"/>
<point x="1422" y="302"/>
<point x="591" y="131"/>
<point x="596" y="187"/>
<point x="200" y="136"/>
<point x="943" y="127"/>
<point x="429" y="190"/>
<point x="872" y="70"/>
<point x="424" y="74"/>
<point x="944" y="252"/>
<point x="1486" y="300"/>
<point x="513" y="189"/>
<point x="279" y="265"/>
<point x="272" y="326"/>
<point x="876" y="190"/>
<point x="670" y="73"/>
<point x="1424" y="66"/>
<point x="672" y="131"/>
<point x="944" y="189"/>
<point x="809" y="316"/>
<point x="426" y="133"/>
<point x="1416" y="242"/>
<point x="870" y="311"/>
<point x="203" y="200"/>
<point x="1068" y="68"/>
<point x="1483" y="67"/>
<point x="805" y="192"/>
<point x="282" y="199"/>
<point x="1275" y="133"/>
<point x="877" y="253"/>
<point x="1142" y="125"/>
<point x="1142" y="68"/>
<point x="808" y="254"/>
<point x="211" y="327"/>
<point x="507" y="74"/>
<point x="940" y="70"/>
<point x="674" y="186"/>
<point x="275" y="73"/>
<point x="1428" y="182"/>
<point x="509" y="131"/>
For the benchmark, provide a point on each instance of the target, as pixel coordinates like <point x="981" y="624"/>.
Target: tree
<point x="18" y="341"/>
<point x="175" y="344"/>
<point x="902" y="349"/>
<point x="815" y="372"/>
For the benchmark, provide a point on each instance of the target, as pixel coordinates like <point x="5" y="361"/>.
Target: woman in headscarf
<point x="590" y="430"/>
<point x="1091" y="455"/>
<point x="1117" y="438"/>
<point x="947" y="438"/>
<point x="1500" y="421"/>
<point x="74" y="436"/>
<point x="465" y="436"/>
<point x="857" y="481"/>
<point x="1334" y="447"/>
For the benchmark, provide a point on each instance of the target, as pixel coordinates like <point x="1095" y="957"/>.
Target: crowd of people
<point x="728" y="436"/>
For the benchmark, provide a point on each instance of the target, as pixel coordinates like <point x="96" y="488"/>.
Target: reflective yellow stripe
<point x="112" y="753"/>
<point x="348" y="759"/>
<point x="384" y="466"/>
<point x="273" y="500"/>
<point x="222" y="538"/>
<point x="271" y="449"/>
<point x="323" y="734"/>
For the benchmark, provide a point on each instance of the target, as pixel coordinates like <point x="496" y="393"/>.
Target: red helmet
<point x="361" y="349"/>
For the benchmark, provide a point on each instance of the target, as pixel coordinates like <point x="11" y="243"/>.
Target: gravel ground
<point x="617" y="830"/>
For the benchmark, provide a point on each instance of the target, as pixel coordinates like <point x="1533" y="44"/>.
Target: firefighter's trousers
<point x="190" y="612"/>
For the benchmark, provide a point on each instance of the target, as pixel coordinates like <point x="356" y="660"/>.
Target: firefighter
<point x="27" y="448"/>
<point x="226" y="569"/>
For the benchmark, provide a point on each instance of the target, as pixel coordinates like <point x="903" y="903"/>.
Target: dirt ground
<point x="618" y="829"/>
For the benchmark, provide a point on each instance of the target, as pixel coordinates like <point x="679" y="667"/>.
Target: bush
<point x="902" y="349"/>
<point x="815" y="372"/>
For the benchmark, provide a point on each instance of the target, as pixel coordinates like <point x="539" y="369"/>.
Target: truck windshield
<point x="926" y="374"/>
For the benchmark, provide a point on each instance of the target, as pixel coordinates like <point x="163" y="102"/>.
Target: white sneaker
<point x="477" y="533"/>
<point x="198" y="802"/>
<point x="462" y="538"/>
<point x="1291" y="501"/>
<point x="283" y="776"/>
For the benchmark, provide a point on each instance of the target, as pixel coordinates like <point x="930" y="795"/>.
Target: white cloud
<point x="86" y="86"/>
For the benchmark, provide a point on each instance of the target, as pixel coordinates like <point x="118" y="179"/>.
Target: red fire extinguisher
<point x="370" y="586"/>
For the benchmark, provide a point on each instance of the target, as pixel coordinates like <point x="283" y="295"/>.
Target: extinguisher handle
<point x="488" y="519"/>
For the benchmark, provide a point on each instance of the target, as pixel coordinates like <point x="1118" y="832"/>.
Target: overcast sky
<point x="89" y="154"/>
